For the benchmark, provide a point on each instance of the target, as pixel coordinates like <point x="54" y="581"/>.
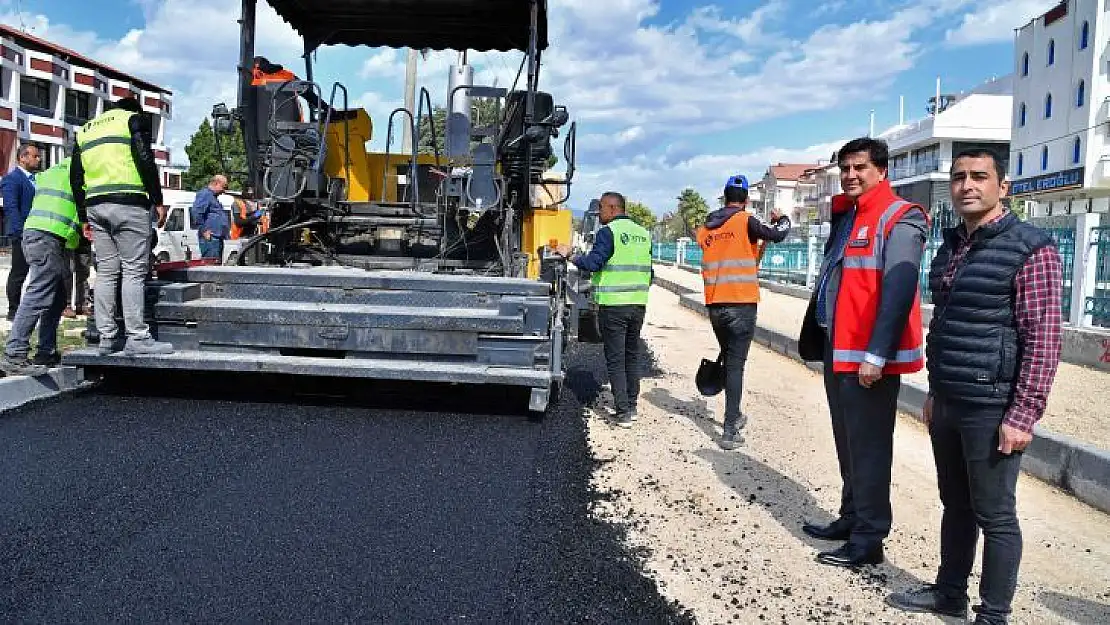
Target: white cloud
<point x="995" y="22"/>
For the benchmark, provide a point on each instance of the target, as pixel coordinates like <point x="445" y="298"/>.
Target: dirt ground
<point x="723" y="529"/>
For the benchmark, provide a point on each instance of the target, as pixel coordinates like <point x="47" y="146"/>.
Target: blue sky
<point x="667" y="93"/>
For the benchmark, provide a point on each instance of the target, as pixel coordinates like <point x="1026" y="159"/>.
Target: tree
<point x="204" y="160"/>
<point x="691" y="212"/>
<point x="641" y="214"/>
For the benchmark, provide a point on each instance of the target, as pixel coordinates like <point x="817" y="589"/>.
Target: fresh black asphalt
<point x="159" y="499"/>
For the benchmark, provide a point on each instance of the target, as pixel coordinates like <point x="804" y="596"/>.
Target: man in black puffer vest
<point x="992" y="350"/>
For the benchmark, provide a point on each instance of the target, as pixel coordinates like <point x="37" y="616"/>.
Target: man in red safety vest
<point x="864" y="323"/>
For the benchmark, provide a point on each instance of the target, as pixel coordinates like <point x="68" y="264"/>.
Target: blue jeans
<point x="44" y="300"/>
<point x="211" y="248"/>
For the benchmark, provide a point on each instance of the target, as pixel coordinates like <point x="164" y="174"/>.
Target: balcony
<point x="920" y="168"/>
<point x="38" y="111"/>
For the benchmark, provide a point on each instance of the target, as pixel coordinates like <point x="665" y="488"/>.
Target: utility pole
<point x="410" y="100"/>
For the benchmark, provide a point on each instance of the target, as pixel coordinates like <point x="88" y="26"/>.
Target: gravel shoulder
<point x="721" y="531"/>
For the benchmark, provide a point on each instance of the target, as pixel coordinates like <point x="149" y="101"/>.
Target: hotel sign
<point x="1059" y="181"/>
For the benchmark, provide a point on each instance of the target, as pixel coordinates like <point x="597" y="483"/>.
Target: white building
<point x="780" y="189"/>
<point x="47" y="92"/>
<point x="826" y="181"/>
<point x="1059" y="156"/>
<point x="921" y="151"/>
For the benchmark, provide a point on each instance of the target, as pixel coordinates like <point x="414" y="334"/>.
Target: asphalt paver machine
<point x="434" y="265"/>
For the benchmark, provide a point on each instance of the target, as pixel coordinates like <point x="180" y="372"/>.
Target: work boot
<point x="68" y="313"/>
<point x="50" y="359"/>
<point x="139" y="347"/>
<point x="19" y="365"/>
<point x="929" y="599"/>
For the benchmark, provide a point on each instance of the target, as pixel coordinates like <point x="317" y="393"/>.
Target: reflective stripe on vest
<point x="860" y="290"/>
<point x="53" y="209"/>
<point x="729" y="268"/>
<point x="106" y="158"/>
<point x="626" y="278"/>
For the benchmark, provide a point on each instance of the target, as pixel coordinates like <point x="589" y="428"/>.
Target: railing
<point x="31" y="109"/>
<point x="798" y="263"/>
<point x="1098" y="305"/>
<point x="916" y="169"/>
<point x="1065" y="244"/>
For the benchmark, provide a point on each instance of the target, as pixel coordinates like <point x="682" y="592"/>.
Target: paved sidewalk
<point x="1079" y="405"/>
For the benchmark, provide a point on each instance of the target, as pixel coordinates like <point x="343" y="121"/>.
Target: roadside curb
<point x="1076" y="467"/>
<point x="19" y="390"/>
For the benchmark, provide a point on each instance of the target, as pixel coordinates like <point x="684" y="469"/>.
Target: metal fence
<point x="1065" y="243"/>
<point x="790" y="263"/>
<point x="1098" y="306"/>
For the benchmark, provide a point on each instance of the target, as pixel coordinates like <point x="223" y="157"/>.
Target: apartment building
<point x="784" y="189"/>
<point x="1059" y="157"/>
<point x="921" y="151"/>
<point x="47" y="92"/>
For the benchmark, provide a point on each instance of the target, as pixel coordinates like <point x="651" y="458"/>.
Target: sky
<point x="667" y="94"/>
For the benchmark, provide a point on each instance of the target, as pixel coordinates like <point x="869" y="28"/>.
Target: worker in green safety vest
<point x="115" y="178"/>
<point x="52" y="227"/>
<point x="620" y="262"/>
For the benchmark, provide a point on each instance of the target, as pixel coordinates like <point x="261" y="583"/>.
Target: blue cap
<point x="738" y="181"/>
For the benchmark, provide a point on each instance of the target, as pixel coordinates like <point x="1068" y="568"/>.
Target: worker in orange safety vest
<point x="731" y="249"/>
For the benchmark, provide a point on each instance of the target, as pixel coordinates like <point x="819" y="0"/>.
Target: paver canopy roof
<point x="435" y="24"/>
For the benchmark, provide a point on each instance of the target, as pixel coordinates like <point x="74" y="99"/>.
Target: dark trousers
<point x="977" y="488"/>
<point x="620" y="331"/>
<point x="17" y="276"/>
<point x="863" y="428"/>
<point x="734" y="325"/>
<point x="77" y="278"/>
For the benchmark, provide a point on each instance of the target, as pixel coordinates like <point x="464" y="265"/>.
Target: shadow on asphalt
<point x="1082" y="611"/>
<point x="791" y="504"/>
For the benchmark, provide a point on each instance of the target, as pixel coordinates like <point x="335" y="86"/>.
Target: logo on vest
<point x="861" y="238"/>
<point x="629" y="238"/>
<point x="720" y="236"/>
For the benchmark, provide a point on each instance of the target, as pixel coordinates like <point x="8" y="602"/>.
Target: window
<point x="1021" y="115"/>
<point x="34" y="96"/>
<point x="176" y="221"/>
<point x="1076" y="151"/>
<point x="1084" y="35"/>
<point x="1025" y="64"/>
<point x="1080" y="93"/>
<point x="1048" y="106"/>
<point x="1044" y="158"/>
<point x="1051" y="51"/>
<point x="78" y="107"/>
<point x="1020" y="163"/>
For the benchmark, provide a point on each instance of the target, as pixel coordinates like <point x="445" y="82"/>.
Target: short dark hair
<point x="999" y="166"/>
<point x="24" y="148"/>
<point x="735" y="195"/>
<point x="617" y="196"/>
<point x="877" y="151"/>
<point x="128" y="104"/>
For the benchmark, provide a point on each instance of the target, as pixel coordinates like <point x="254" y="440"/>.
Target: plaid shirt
<point x="1038" y="294"/>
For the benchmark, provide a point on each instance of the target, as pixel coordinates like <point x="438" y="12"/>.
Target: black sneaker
<point x="731" y="439"/>
<point x="20" y="366"/>
<point x="53" y="359"/>
<point x="624" y="419"/>
<point x="928" y="599"/>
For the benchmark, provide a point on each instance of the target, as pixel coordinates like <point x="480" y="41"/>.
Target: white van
<point x="178" y="240"/>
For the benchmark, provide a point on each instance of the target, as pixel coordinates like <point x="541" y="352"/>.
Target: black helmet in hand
<point x="710" y="378"/>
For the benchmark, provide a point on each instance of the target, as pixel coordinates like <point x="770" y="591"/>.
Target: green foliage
<point x="691" y="212"/>
<point x="641" y="214"/>
<point x="204" y="159"/>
